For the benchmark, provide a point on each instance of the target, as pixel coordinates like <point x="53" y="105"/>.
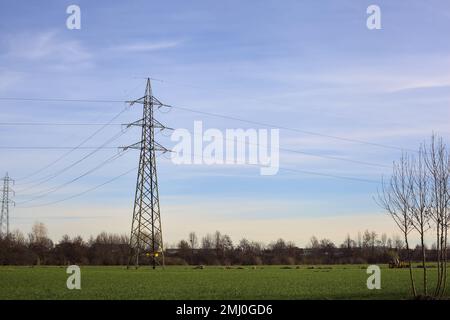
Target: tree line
<point x="212" y="249"/>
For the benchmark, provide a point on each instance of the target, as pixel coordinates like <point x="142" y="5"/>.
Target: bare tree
<point x="39" y="242"/>
<point x="373" y="241"/>
<point x="348" y="243"/>
<point x="207" y="242"/>
<point x="384" y="240"/>
<point x="314" y="243"/>
<point x="38" y="232"/>
<point x="437" y="162"/>
<point x="359" y="241"/>
<point x="398" y="243"/>
<point x="420" y="205"/>
<point x="418" y="198"/>
<point x="366" y="239"/>
<point x="395" y="198"/>
<point x="193" y="240"/>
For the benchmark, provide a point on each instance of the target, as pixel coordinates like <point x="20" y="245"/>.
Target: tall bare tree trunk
<point x="444" y="260"/>
<point x="413" y="285"/>
<point x="438" y="258"/>
<point x="425" y="285"/>
<point x="441" y="259"/>
<point x="445" y="264"/>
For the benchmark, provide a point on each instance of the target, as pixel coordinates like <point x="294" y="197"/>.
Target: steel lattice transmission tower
<point x="6" y="201"/>
<point x="146" y="241"/>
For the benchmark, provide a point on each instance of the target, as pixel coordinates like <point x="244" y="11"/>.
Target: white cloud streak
<point x="147" y="46"/>
<point x="47" y="46"/>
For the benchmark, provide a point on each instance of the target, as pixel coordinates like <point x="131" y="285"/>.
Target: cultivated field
<point x="265" y="282"/>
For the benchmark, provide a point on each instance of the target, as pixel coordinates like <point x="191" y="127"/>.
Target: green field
<point x="266" y="282"/>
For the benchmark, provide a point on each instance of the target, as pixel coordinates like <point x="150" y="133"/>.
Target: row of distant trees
<point x="367" y="247"/>
<point x="212" y="249"/>
<point x="38" y="249"/>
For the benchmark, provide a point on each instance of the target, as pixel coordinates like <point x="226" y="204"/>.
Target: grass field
<point x="266" y="282"/>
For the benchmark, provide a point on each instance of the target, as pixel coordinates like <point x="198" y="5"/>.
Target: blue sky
<point x="311" y="65"/>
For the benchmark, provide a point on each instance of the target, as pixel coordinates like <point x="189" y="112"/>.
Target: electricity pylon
<point x="146" y="231"/>
<point x="6" y="201"/>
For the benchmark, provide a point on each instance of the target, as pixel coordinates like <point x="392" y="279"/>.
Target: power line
<point x="337" y="158"/>
<point x="60" y="100"/>
<point x="265" y="125"/>
<point x="246" y="142"/>
<point x="82" y="193"/>
<point x="73" y="149"/>
<point x="49" y="177"/>
<point x="315" y="173"/>
<point x="51" y="190"/>
<point x="237" y="119"/>
<point x="257" y="144"/>
<point x="247" y="121"/>
<point x="57" y="124"/>
<point x="316" y="155"/>
<point x="54" y="189"/>
<point x="289" y="129"/>
<point x="52" y="148"/>
<point x="271" y="125"/>
<point x="135" y="168"/>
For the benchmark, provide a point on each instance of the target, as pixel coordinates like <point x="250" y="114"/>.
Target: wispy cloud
<point x="147" y="46"/>
<point x="48" y="46"/>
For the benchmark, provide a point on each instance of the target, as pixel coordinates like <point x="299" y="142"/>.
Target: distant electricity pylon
<point x="146" y="232"/>
<point x="6" y="201"/>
